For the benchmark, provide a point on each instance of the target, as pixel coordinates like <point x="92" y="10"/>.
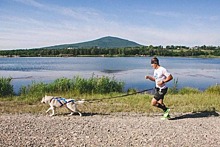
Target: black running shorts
<point x="159" y="94"/>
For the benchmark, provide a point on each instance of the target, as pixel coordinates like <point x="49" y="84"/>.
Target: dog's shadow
<point x="92" y="114"/>
<point x="196" y="115"/>
<point x="83" y="114"/>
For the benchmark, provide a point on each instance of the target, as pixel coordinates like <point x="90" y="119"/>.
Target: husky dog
<point x="56" y="102"/>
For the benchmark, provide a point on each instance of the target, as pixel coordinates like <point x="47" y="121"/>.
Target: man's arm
<point x="150" y="78"/>
<point x="169" y="78"/>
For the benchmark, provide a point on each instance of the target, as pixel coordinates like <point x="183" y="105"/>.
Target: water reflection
<point x="190" y="72"/>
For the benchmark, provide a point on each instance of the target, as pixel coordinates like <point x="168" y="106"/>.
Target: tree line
<point x="181" y="51"/>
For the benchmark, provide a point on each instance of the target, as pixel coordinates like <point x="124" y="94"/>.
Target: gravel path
<point x="121" y="129"/>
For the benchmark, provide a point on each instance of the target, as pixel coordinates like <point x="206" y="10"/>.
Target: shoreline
<point x="108" y="56"/>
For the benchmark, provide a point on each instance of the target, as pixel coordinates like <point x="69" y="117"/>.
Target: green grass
<point x="100" y="93"/>
<point x="71" y="87"/>
<point x="5" y="87"/>
<point x="140" y="103"/>
<point x="194" y="102"/>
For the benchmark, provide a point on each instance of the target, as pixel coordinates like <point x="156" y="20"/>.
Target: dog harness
<point x="62" y="101"/>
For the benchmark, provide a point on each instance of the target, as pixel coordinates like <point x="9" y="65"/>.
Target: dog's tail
<point x="80" y="101"/>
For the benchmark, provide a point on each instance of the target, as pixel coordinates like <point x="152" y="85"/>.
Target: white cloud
<point x="168" y="14"/>
<point x="73" y="25"/>
<point x="31" y="3"/>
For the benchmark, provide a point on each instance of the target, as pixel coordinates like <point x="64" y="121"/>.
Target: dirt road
<point x="121" y="129"/>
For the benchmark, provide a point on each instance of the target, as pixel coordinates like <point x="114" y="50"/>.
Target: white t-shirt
<point x="160" y="74"/>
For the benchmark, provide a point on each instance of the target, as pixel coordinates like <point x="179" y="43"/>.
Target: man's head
<point x="155" y="63"/>
<point x="154" y="60"/>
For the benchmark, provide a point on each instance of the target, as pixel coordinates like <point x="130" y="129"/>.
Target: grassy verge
<point x="99" y="91"/>
<point x="140" y="103"/>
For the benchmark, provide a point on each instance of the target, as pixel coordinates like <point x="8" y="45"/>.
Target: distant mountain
<point x="105" y="42"/>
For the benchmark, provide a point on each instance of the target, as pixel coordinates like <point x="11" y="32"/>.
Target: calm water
<point x="191" y="72"/>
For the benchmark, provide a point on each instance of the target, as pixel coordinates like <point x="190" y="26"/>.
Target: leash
<point x="124" y="95"/>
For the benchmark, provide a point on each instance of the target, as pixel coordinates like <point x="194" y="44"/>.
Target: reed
<point x="6" y="89"/>
<point x="75" y="86"/>
<point x="188" y="90"/>
<point x="105" y="104"/>
<point x="100" y="92"/>
<point x="213" y="89"/>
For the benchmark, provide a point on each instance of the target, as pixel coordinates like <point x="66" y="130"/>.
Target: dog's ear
<point x="43" y="100"/>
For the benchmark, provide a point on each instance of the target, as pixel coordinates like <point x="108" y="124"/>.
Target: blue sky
<point x="39" y="23"/>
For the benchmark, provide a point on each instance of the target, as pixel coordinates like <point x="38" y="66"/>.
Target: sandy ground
<point x="121" y="129"/>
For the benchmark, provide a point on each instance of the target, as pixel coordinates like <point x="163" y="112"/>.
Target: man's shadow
<point x="197" y="115"/>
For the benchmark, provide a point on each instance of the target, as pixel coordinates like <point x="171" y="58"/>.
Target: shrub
<point x="174" y="89"/>
<point x="188" y="90"/>
<point x="59" y="85"/>
<point x="6" y="89"/>
<point x="96" y="85"/>
<point x="82" y="85"/>
<point x="213" y="89"/>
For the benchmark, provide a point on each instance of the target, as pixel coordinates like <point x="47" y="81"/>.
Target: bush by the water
<point x="6" y="89"/>
<point x="110" y="91"/>
<point x="96" y="85"/>
<point x="188" y="90"/>
<point x="213" y="89"/>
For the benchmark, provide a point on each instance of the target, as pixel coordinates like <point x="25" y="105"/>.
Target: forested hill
<point x="105" y="42"/>
<point x="113" y="46"/>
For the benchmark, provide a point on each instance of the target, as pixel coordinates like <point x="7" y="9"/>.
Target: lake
<point x="191" y="72"/>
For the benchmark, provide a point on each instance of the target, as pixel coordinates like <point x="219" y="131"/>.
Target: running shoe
<point x="164" y="118"/>
<point x="166" y="113"/>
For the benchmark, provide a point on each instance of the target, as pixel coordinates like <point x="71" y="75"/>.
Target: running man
<point x="161" y="77"/>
